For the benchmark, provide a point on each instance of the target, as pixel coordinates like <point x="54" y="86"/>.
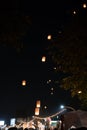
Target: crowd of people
<point x="38" y="125"/>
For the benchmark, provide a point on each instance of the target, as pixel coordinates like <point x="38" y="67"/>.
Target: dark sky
<point x="26" y="64"/>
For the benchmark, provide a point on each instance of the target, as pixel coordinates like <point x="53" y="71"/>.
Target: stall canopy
<point x="75" y="118"/>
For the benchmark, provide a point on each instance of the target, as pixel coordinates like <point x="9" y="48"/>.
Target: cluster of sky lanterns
<point x="49" y="37"/>
<point x="84" y="6"/>
<point x="38" y="103"/>
<point x="37" y="108"/>
<point x="49" y="81"/>
<point x="52" y="91"/>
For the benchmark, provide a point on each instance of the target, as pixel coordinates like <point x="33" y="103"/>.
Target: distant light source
<point x="84" y="5"/>
<point x="12" y="122"/>
<point x="79" y="92"/>
<point x="51" y="93"/>
<point x="67" y="107"/>
<point x="37" y="111"/>
<point x="54" y="68"/>
<point x="24" y="82"/>
<point x="2" y="123"/>
<point x="45" y="107"/>
<point x="49" y="81"/>
<point x="62" y="106"/>
<point x="38" y="103"/>
<point x="52" y="89"/>
<point x="43" y="59"/>
<point x="74" y="12"/>
<point x="57" y="117"/>
<point x="49" y="37"/>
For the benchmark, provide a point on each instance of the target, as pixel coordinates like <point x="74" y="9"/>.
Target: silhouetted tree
<point x="69" y="52"/>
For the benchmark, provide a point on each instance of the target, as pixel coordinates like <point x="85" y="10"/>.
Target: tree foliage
<point x="69" y="52"/>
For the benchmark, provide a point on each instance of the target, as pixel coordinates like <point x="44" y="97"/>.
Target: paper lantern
<point x="24" y="82"/>
<point x="43" y="59"/>
<point x="38" y="103"/>
<point x="84" y="5"/>
<point x="49" y="37"/>
<point x="37" y="111"/>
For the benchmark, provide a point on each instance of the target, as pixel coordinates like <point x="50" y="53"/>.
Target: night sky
<point x="24" y="63"/>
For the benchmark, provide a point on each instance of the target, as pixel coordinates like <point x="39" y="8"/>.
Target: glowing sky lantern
<point x="74" y="12"/>
<point x="24" y="83"/>
<point x="38" y="103"/>
<point x="49" y="37"/>
<point x="79" y="92"/>
<point x="52" y="89"/>
<point x="51" y="93"/>
<point x="37" y="111"/>
<point x="43" y="59"/>
<point x="84" y="5"/>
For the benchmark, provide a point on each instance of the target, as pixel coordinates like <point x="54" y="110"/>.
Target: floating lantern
<point x="38" y="104"/>
<point x="24" y="82"/>
<point x="45" y="107"/>
<point x="79" y="92"/>
<point x="43" y="59"/>
<point x="37" y="111"/>
<point x="49" y="37"/>
<point x="84" y="6"/>
<point x="74" y="12"/>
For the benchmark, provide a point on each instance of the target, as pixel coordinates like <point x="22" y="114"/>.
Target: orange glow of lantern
<point x="38" y="103"/>
<point x="24" y="82"/>
<point x="49" y="37"/>
<point x="43" y="59"/>
<point x="37" y="111"/>
<point x="84" y="6"/>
